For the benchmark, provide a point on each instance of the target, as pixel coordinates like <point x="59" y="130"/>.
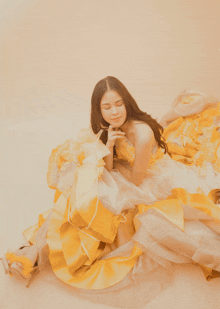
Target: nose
<point x="114" y="110"/>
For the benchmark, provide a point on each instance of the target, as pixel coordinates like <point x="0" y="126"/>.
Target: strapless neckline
<point x="154" y="150"/>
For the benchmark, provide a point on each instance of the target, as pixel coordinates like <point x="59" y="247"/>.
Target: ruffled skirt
<point x="104" y="234"/>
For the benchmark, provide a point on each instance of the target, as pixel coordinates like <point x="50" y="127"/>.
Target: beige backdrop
<point x="52" y="54"/>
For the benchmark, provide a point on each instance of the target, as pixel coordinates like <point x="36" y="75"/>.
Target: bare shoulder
<point x="142" y="132"/>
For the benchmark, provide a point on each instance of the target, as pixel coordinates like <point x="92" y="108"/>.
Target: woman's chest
<point x="125" y="150"/>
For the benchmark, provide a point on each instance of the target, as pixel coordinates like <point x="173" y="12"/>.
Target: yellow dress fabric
<point x="195" y="139"/>
<point x="77" y="244"/>
<point x="82" y="231"/>
<point x="125" y="151"/>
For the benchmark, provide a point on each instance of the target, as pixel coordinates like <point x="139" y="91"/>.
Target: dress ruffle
<point x="195" y="139"/>
<point x="102" y="227"/>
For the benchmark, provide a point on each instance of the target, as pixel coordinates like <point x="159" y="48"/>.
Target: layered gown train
<point x="104" y="233"/>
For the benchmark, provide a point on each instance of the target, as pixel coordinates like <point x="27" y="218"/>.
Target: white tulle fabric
<point x="118" y="194"/>
<point x="161" y="241"/>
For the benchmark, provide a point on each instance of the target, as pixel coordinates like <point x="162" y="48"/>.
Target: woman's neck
<point x="127" y="127"/>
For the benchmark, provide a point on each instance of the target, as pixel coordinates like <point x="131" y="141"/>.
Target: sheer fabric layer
<point x="103" y="232"/>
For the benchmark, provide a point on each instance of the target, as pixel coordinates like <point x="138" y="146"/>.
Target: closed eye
<point x="105" y="106"/>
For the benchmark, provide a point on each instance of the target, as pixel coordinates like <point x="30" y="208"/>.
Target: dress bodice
<point x="126" y="151"/>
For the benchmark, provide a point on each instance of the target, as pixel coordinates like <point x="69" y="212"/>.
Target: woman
<point x="124" y="210"/>
<point x="109" y="110"/>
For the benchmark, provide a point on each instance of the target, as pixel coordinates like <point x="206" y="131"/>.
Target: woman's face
<point x="113" y="109"/>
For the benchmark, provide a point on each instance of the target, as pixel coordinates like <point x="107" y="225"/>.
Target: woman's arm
<point x="113" y="134"/>
<point x="109" y="159"/>
<point x="144" y="142"/>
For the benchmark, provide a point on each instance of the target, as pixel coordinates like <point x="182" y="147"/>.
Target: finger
<point x="118" y="133"/>
<point x="116" y="136"/>
<point x="119" y="137"/>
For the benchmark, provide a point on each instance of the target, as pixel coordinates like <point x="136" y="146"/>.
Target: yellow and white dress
<point x="104" y="232"/>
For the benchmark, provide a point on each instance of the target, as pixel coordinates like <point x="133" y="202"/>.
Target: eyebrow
<point x="109" y="103"/>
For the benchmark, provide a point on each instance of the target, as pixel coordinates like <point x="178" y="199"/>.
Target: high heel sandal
<point x="22" y="263"/>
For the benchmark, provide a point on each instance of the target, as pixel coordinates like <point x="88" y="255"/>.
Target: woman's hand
<point x="113" y="134"/>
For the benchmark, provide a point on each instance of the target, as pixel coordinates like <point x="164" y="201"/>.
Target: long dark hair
<point x="133" y="111"/>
